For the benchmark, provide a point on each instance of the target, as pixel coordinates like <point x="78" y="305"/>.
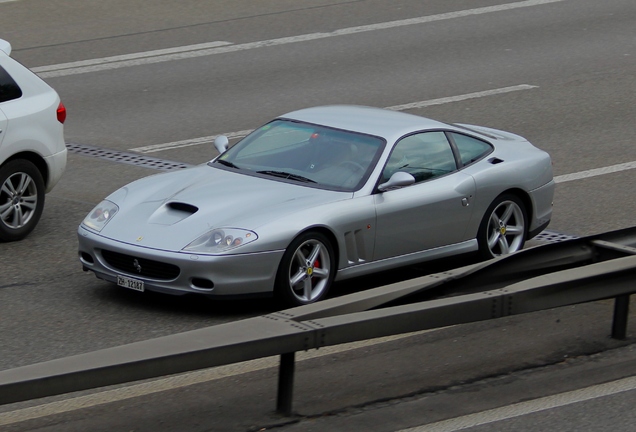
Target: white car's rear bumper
<point x="56" y="164"/>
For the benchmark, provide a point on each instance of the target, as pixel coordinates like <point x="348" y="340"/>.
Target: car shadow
<point x="193" y="305"/>
<point x="196" y="306"/>
<point x="400" y="274"/>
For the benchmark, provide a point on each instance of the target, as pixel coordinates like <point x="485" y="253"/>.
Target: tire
<point x="306" y="271"/>
<point x="504" y="228"/>
<point x="21" y="199"/>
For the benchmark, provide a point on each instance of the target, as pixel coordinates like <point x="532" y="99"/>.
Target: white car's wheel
<point x="21" y="199"/>
<point x="307" y="270"/>
<point x="504" y="227"/>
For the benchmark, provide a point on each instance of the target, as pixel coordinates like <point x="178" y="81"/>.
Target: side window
<point x="9" y="89"/>
<point x="423" y="155"/>
<point x="470" y="149"/>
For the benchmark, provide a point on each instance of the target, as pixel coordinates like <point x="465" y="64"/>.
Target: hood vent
<point x="183" y="207"/>
<point x="172" y="213"/>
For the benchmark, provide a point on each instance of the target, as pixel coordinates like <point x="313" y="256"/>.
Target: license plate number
<point x="130" y="283"/>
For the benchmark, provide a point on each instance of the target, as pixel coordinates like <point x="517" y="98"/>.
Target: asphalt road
<point x="567" y="67"/>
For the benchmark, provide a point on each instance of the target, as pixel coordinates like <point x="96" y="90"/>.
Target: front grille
<point x="140" y="266"/>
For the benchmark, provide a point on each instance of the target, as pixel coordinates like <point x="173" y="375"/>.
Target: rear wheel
<point x="504" y="227"/>
<point x="307" y="270"/>
<point x="21" y="199"/>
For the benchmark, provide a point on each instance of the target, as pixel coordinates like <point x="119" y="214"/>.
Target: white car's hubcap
<point x="18" y="200"/>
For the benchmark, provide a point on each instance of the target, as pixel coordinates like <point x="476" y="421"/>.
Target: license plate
<point x="130" y="283"/>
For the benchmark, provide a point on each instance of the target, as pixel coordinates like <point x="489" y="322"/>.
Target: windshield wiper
<point x="287" y="175"/>
<point x="226" y="163"/>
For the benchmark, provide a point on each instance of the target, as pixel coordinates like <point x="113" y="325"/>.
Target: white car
<point x="32" y="149"/>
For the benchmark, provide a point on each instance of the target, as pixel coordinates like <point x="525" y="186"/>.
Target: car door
<point x="9" y="90"/>
<point x="431" y="213"/>
<point x="3" y="125"/>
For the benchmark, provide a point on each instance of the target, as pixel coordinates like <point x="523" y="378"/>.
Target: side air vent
<point x="495" y="160"/>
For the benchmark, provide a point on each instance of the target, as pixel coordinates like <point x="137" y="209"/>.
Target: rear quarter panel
<point x="523" y="167"/>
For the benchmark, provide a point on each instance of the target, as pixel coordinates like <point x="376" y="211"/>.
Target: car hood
<point x="168" y="211"/>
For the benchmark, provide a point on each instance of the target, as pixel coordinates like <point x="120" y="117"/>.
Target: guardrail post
<point x="621" y="312"/>
<point x="286" y="383"/>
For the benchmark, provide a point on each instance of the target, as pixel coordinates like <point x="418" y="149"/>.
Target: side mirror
<point x="5" y="46"/>
<point x="397" y="180"/>
<point x="221" y="142"/>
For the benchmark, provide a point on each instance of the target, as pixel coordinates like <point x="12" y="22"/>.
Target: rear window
<point x="9" y="89"/>
<point x="470" y="149"/>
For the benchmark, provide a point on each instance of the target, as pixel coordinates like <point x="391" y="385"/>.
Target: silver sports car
<point x="318" y="195"/>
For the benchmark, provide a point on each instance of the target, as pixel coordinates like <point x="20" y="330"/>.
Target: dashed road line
<point x="595" y="172"/>
<point x="124" y="60"/>
<point x="189" y="142"/>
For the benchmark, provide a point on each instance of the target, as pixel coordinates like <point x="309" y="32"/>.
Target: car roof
<point x="369" y="120"/>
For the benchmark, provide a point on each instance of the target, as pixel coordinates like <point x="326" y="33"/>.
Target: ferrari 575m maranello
<point x="318" y="195"/>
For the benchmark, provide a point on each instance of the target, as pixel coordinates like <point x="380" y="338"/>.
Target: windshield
<point x="301" y="152"/>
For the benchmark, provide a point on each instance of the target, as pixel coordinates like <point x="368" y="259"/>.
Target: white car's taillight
<point x="61" y="113"/>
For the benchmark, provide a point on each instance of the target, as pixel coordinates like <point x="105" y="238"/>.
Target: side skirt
<point x="404" y="260"/>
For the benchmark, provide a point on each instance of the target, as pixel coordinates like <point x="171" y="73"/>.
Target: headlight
<point x="221" y="240"/>
<point x="100" y="215"/>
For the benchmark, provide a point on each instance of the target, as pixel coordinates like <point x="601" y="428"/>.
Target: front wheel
<point x="307" y="270"/>
<point x="21" y="199"/>
<point x="504" y="227"/>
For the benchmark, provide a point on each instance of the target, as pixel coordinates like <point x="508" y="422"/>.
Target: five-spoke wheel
<point x="504" y="227"/>
<point x="306" y="270"/>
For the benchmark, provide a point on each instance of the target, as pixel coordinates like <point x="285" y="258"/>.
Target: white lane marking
<point x="240" y="134"/>
<point x="133" y="59"/>
<point x="98" y="65"/>
<point x="458" y="98"/>
<point x="524" y="408"/>
<point x="189" y="142"/>
<point x="595" y="172"/>
<point x="178" y="381"/>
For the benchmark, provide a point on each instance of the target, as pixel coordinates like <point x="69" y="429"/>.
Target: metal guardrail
<point x="549" y="276"/>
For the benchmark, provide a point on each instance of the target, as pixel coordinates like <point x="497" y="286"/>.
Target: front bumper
<point x="212" y="275"/>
